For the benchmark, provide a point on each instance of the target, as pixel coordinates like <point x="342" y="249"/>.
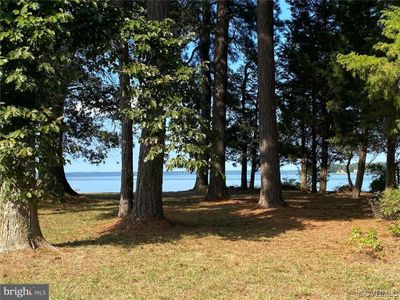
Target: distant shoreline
<point x="170" y="172"/>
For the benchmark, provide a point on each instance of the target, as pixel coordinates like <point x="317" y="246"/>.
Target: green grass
<point x="215" y="250"/>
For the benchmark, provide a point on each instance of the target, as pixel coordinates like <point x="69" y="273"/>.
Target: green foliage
<point x="242" y="129"/>
<point x="19" y="154"/>
<point x="163" y="91"/>
<point x="290" y="184"/>
<point x="379" y="177"/>
<point x="341" y="168"/>
<point x="381" y="72"/>
<point x="378" y="183"/>
<point x="366" y="241"/>
<point x="29" y="29"/>
<point x="35" y="55"/>
<point x="395" y="230"/>
<point x="91" y="104"/>
<point x="389" y="204"/>
<point x="45" y="45"/>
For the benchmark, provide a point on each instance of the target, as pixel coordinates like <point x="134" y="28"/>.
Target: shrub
<point x="379" y="177"/>
<point x="395" y="230"/>
<point x="290" y="184"/>
<point x="387" y="204"/>
<point x="343" y="189"/>
<point x="378" y="184"/>
<point x="367" y="241"/>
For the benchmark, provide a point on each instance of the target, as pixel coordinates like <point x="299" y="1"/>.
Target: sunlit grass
<point x="227" y="249"/>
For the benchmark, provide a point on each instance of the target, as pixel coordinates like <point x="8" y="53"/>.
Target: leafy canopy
<point x="381" y="72"/>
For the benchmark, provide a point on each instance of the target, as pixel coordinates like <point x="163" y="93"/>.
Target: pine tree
<point x="271" y="191"/>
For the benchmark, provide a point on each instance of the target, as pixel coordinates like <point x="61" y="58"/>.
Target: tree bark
<point x="58" y="174"/>
<point x="271" y="189"/>
<point x="14" y="229"/>
<point x="243" y="179"/>
<point x="324" y="149"/>
<point x="253" y="168"/>
<point x="19" y="223"/>
<point x="201" y="183"/>
<point x="204" y="53"/>
<point x="52" y="172"/>
<point x="217" y="189"/>
<point x="390" y="162"/>
<point x="324" y="167"/>
<point x="126" y="195"/>
<point x="350" y="181"/>
<point x="243" y="173"/>
<point x="303" y="175"/>
<point x="314" y="162"/>
<point x="362" y="156"/>
<point x="148" y="198"/>
<point x="304" y="163"/>
<point x="253" y="151"/>
<point x="19" y="226"/>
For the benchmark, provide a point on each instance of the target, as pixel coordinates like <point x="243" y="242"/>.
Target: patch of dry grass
<point x="228" y="249"/>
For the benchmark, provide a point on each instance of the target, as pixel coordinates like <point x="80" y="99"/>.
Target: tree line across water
<point x="200" y="83"/>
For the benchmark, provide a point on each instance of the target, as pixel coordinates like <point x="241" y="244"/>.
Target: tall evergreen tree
<point x="271" y="191"/>
<point x="126" y="195"/>
<point x="217" y="188"/>
<point x="206" y="90"/>
<point x="381" y="75"/>
<point x="148" y="198"/>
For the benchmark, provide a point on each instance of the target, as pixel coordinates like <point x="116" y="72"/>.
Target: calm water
<point x="181" y="180"/>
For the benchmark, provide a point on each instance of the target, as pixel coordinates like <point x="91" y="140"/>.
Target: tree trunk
<point x="351" y="185"/>
<point x="14" y="230"/>
<point x="52" y="172"/>
<point x="324" y="167"/>
<point x="243" y="175"/>
<point x="253" y="167"/>
<point x="243" y="181"/>
<point x="314" y="162"/>
<point x="304" y="161"/>
<point x="204" y="53"/>
<point x="19" y="226"/>
<point x="19" y="223"/>
<point x="217" y="189"/>
<point x="126" y="196"/>
<point x="201" y="182"/>
<point x="253" y="151"/>
<point x="362" y="157"/>
<point x="148" y="198"/>
<point x="390" y="162"/>
<point x="58" y="174"/>
<point x="324" y="149"/>
<point x="303" y="175"/>
<point x="271" y="189"/>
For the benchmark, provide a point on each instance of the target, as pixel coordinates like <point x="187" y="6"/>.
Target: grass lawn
<point x="223" y="250"/>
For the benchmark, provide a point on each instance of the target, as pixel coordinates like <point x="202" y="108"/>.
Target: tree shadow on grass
<point x="235" y="219"/>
